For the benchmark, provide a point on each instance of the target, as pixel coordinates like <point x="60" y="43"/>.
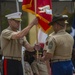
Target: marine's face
<point x="54" y="26"/>
<point x="14" y="24"/>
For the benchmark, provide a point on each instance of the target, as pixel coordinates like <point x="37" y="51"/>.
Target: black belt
<point x="14" y="58"/>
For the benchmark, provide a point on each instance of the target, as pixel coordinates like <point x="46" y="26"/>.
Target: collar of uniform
<point x="63" y="30"/>
<point x="9" y="28"/>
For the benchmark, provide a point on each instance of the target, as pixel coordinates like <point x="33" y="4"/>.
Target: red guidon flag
<point x="42" y="9"/>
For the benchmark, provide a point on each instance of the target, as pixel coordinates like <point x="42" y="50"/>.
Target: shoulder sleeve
<point x="7" y="34"/>
<point x="50" y="45"/>
<point x="45" y="45"/>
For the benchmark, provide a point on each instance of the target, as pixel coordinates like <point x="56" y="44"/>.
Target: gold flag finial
<point x="65" y="11"/>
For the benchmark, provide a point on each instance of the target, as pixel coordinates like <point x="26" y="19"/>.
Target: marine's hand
<point x="35" y="21"/>
<point x="37" y="47"/>
<point x="40" y="58"/>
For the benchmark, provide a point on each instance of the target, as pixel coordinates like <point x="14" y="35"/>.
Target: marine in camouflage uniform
<point x="28" y="69"/>
<point x="39" y="67"/>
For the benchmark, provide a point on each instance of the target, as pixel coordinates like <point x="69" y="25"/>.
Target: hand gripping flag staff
<point x="43" y="11"/>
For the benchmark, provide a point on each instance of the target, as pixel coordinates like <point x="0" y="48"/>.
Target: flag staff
<point x="35" y="2"/>
<point x="17" y="6"/>
<point x="36" y="26"/>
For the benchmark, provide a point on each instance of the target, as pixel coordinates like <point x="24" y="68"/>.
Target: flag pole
<point x="35" y="2"/>
<point x="36" y="26"/>
<point x="17" y="6"/>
